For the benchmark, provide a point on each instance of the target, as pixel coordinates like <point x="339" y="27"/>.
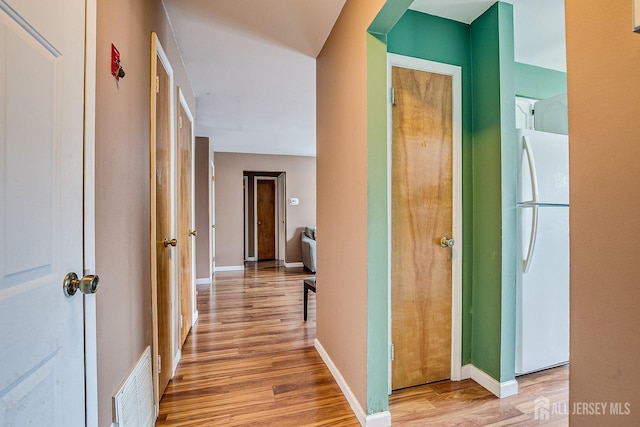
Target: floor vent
<point x="133" y="403"/>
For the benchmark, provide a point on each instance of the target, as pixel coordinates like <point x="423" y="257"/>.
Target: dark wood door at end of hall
<point x="266" y="210"/>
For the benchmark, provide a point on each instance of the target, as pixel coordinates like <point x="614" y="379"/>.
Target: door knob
<point x="446" y="242"/>
<point x="167" y="242"/>
<point x="87" y="285"/>
<point x="193" y="233"/>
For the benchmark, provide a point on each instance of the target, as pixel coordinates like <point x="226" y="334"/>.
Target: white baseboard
<point x="230" y="268"/>
<point x="465" y="372"/>
<point x="293" y="264"/>
<point x="251" y="259"/>
<point x="351" y="398"/>
<point x="499" y="389"/>
<point x="176" y="360"/>
<point x="380" y="419"/>
<point x="195" y="317"/>
<point x="204" y="281"/>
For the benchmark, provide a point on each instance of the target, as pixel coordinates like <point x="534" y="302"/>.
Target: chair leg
<point x="306" y="297"/>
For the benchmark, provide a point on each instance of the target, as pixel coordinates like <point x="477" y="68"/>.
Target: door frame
<point x="158" y="52"/>
<point x="89" y="221"/>
<point x="281" y="217"/>
<point x="394" y="60"/>
<point x="255" y="214"/>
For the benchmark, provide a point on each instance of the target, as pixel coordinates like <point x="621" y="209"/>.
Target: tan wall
<point x="342" y="193"/>
<point x="301" y="183"/>
<point x="604" y="130"/>
<point x="203" y="247"/>
<point x="122" y="186"/>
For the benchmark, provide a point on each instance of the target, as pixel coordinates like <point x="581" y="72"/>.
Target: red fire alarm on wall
<point x="116" y="67"/>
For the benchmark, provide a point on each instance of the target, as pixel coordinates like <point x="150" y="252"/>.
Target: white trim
<point x="465" y="372"/>
<point x="351" y="398"/>
<point x="499" y="389"/>
<point x="230" y="268"/>
<point x="379" y="419"/>
<point x="176" y="361"/>
<point x="195" y="317"/>
<point x="456" y="271"/>
<point x="281" y="199"/>
<point x="276" y="236"/>
<point x="251" y="259"/>
<point x="203" y="281"/>
<point x="293" y="264"/>
<point x="89" y="223"/>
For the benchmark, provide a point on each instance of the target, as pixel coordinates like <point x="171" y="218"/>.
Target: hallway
<point x="250" y="360"/>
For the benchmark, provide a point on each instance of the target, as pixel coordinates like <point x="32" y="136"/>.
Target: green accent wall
<point x="377" y="214"/>
<point x="442" y="40"/>
<point x="537" y="82"/>
<point x="484" y="50"/>
<point x="377" y="222"/>
<point x="494" y="180"/>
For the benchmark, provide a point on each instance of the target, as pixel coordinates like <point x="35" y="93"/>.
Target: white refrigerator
<point x="542" y="305"/>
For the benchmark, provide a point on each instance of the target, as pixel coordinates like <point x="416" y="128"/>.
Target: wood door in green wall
<point x="422" y="208"/>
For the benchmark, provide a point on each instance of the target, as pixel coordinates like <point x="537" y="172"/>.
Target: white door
<point x="552" y="115"/>
<point x="524" y="113"/>
<point x="41" y="173"/>
<point x="542" y="301"/>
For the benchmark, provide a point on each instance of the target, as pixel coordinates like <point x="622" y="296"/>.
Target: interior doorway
<point x="425" y="183"/>
<point x="264" y="215"/>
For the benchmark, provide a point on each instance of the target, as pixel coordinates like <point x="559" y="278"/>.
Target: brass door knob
<point x="87" y="285"/>
<point x="167" y="242"/>
<point x="193" y="233"/>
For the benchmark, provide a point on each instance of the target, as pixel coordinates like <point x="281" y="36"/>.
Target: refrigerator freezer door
<point x="542" y="304"/>
<point x="548" y="156"/>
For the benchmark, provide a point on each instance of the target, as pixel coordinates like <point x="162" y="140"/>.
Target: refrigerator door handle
<point x="532" y="168"/>
<point x="532" y="239"/>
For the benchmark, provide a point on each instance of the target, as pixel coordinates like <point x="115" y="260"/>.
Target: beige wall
<point x="203" y="247"/>
<point x="301" y="183"/>
<point x="603" y="56"/>
<point x="122" y="186"/>
<point x="342" y="193"/>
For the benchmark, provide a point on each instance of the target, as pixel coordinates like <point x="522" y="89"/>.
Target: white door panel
<point x="552" y="115"/>
<point x="542" y="333"/>
<point x="41" y="172"/>
<point x="524" y="113"/>
<point x="550" y="155"/>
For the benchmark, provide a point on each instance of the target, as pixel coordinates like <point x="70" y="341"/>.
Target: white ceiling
<point x="252" y="66"/>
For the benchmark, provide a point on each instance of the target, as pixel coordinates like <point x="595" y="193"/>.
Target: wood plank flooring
<point x="250" y="361"/>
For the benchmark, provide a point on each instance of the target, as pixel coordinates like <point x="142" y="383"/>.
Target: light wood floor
<point x="250" y="361"/>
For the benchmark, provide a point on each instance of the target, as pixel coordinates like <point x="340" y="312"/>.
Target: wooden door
<point x="41" y="197"/>
<point x="186" y="234"/>
<point x="164" y="248"/>
<point x="421" y="215"/>
<point x="266" y="214"/>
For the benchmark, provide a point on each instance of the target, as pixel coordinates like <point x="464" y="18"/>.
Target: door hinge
<point x="392" y="352"/>
<point x="159" y="363"/>
<point x="181" y="321"/>
<point x="392" y="96"/>
<point x="533" y="111"/>
<point x="157" y="84"/>
<point x="180" y="122"/>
